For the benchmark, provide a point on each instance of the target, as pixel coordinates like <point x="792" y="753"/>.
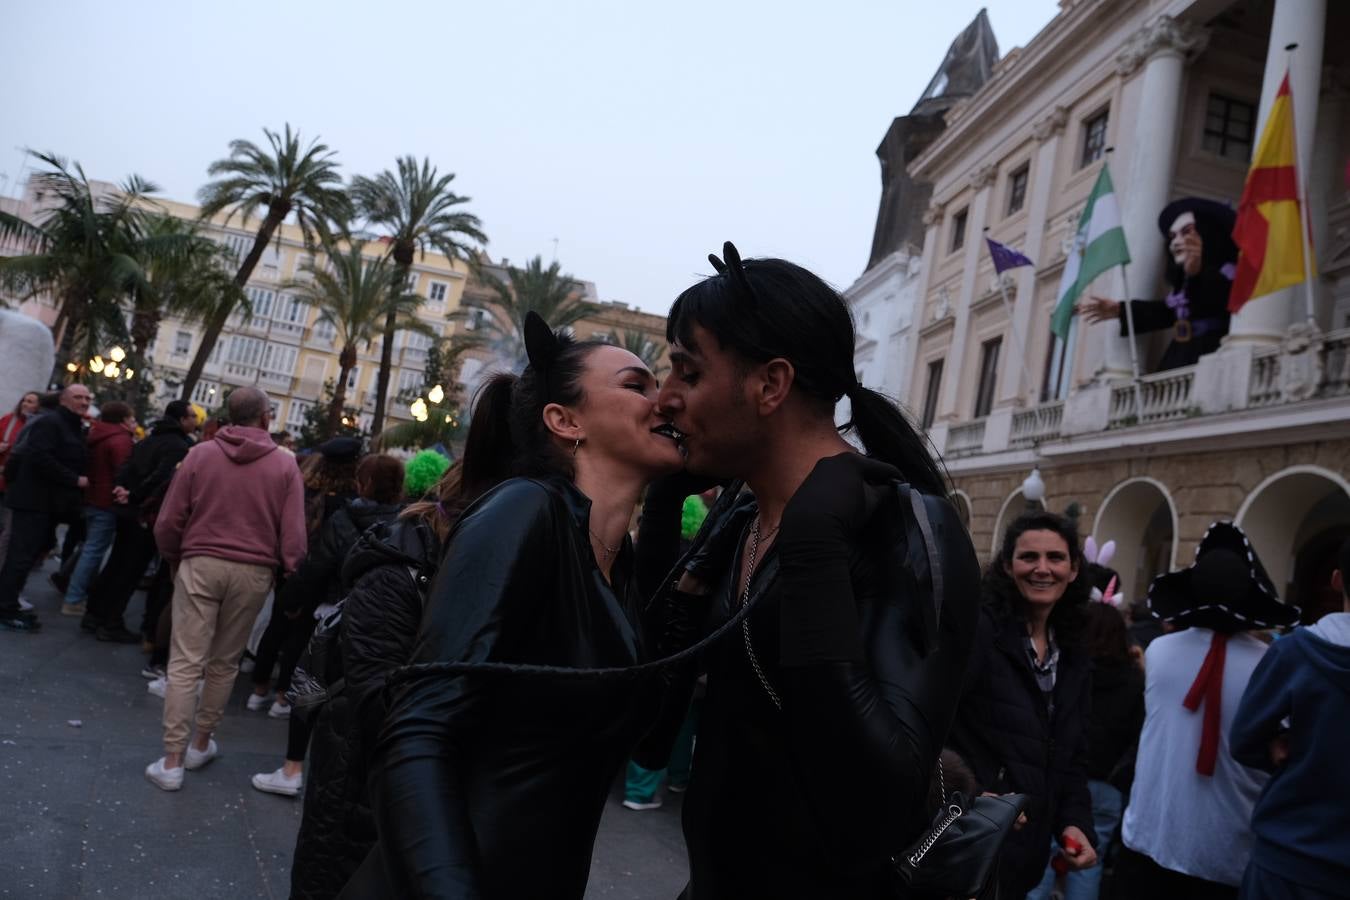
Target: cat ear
<point x="1108" y="551"/>
<point x="541" y="344"/>
<point x="717" y="264"/>
<point x="1090" y="549"/>
<point x="736" y="269"/>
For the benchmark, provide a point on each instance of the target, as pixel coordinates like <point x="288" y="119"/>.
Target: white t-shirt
<point x="1187" y="822"/>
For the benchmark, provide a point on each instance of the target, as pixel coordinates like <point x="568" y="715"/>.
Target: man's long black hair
<point x="764" y="309"/>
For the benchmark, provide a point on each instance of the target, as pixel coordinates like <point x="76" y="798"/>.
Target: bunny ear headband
<point x="1102" y="557"/>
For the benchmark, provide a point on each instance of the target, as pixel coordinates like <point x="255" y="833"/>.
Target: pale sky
<point x="639" y="136"/>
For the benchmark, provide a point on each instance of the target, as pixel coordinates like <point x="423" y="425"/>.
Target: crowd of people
<point x="812" y="653"/>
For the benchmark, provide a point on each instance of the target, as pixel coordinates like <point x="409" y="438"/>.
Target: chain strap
<point x="953" y="813"/>
<point x="745" y="623"/>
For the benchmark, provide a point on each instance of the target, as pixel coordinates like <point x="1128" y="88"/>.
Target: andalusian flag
<point x="1099" y="245"/>
<point x="1269" y="229"/>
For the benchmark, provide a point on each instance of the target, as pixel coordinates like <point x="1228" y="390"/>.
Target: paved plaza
<point x="78" y="819"/>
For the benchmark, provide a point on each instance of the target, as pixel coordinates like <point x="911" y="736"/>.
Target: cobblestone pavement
<point x="79" y="820"/>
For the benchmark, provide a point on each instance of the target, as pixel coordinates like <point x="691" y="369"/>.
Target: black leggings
<point x="281" y="645"/>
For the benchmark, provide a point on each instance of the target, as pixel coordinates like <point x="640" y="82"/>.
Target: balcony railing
<point x="1264" y="387"/>
<point x="1042" y="423"/>
<point x="1335" y="365"/>
<point x="278" y="380"/>
<point x="966" y="438"/>
<point x="1165" y="395"/>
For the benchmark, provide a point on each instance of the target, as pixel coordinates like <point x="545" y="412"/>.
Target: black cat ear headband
<point x="734" y="269"/>
<point x="541" y="345"/>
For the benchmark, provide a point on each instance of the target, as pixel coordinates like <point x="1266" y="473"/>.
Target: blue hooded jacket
<point x="1302" y="820"/>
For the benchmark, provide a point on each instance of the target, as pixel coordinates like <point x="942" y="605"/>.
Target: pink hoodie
<point x="236" y="498"/>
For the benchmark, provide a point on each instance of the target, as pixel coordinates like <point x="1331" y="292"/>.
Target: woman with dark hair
<point x="1023" y="719"/>
<point x="1113" y="731"/>
<point x="314" y="589"/>
<point x="11" y="425"/>
<point x="387" y="574"/>
<point x="491" y="786"/>
<point x="827" y="707"/>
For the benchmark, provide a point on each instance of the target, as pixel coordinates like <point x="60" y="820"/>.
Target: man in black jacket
<point x="46" y="477"/>
<point x="137" y="490"/>
<point x="825" y="712"/>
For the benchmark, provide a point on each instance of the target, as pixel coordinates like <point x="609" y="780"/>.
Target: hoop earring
<point x="576" y="447"/>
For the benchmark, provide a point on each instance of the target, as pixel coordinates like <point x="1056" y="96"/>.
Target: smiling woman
<point x="1022" y="724"/>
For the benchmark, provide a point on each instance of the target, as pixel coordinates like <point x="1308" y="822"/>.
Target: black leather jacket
<point x="492" y="786"/>
<point x="811" y="800"/>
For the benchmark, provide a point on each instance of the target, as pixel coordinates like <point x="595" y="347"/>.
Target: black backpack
<point x="319" y="674"/>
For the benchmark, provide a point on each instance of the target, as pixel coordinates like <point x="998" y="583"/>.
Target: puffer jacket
<point x="318" y="580"/>
<point x="388" y="572"/>
<point x="1006" y="734"/>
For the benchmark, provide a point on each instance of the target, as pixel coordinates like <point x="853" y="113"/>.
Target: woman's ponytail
<point x="887" y="435"/>
<point x="489" y="450"/>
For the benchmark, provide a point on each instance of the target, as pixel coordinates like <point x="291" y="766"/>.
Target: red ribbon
<point x="1208" y="689"/>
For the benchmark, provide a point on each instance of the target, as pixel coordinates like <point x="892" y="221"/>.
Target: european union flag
<point x="1005" y="258"/>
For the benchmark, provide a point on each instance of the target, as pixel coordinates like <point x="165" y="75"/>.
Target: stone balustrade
<point x="966" y="438"/>
<point x="1040" y="423"/>
<point x="1165" y="395"/>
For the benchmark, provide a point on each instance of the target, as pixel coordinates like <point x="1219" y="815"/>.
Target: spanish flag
<point x="1269" y="230"/>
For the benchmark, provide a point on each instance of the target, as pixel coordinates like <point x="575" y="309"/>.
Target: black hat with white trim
<point x="1226" y="589"/>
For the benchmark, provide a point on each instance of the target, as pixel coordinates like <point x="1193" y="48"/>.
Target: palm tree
<point x="443" y="419"/>
<point x="187" y="277"/>
<point x="87" y="250"/>
<point x="547" y="291"/>
<point x="417" y="208"/>
<point x="285" y="179"/>
<point x="356" y="295"/>
<point x="641" y="346"/>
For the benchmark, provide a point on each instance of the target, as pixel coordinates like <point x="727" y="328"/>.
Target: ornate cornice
<point x="932" y="216"/>
<point x="1051" y="124"/>
<point x="1163" y="35"/>
<point x="983" y="176"/>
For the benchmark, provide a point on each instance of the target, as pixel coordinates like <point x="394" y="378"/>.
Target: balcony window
<point x="1094" y="138"/>
<point x="1059" y="365"/>
<point x="206" y="394"/>
<point x="182" y="343"/>
<point x="1017" y="189"/>
<point x="1229" y="126"/>
<point x="295" y="415"/>
<point x="984" y="395"/>
<point x="437" y="292"/>
<point x="931" y="392"/>
<point x="958" y="230"/>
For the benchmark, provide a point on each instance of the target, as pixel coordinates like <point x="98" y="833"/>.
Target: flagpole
<point x="1016" y="332"/>
<point x="1305" y="214"/>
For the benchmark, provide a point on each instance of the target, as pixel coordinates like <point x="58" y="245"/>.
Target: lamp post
<point x="1033" y="487"/>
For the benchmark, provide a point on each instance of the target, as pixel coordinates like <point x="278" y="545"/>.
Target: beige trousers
<point x="214" y="604"/>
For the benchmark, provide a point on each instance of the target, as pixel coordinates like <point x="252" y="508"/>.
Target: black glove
<point x="818" y="619"/>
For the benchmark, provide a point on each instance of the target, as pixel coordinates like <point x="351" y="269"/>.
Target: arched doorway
<point x="1012" y="507"/>
<point x="1140" y="517"/>
<point x="1296" y="519"/>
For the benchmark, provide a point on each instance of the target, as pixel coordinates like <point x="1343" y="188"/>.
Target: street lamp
<point x="1033" y="488"/>
<point x="436" y="394"/>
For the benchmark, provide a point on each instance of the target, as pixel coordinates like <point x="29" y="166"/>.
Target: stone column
<point x="1161" y="49"/>
<point x="1264" y="320"/>
<point x="1025" y="321"/>
<point x="980" y="182"/>
<point x="911" y="394"/>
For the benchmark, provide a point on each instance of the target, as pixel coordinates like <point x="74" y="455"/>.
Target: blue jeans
<point x="1083" y="884"/>
<point x="100" y="526"/>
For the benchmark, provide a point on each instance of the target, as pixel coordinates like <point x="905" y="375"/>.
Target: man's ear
<point x="1338" y="581"/>
<point x="562" y="421"/>
<point x="774" y="383"/>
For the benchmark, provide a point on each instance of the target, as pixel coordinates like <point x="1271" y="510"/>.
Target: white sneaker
<point x="278" y="783"/>
<point x="25" y="605"/>
<point x="195" y="759"/>
<point x="650" y="804"/>
<point x="162" y="778"/>
<point x="258" y="701"/>
<point x="156" y="686"/>
<point x="279" y="710"/>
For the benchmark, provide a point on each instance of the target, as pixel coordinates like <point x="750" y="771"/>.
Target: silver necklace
<point x="609" y="551"/>
<point x="745" y="623"/>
